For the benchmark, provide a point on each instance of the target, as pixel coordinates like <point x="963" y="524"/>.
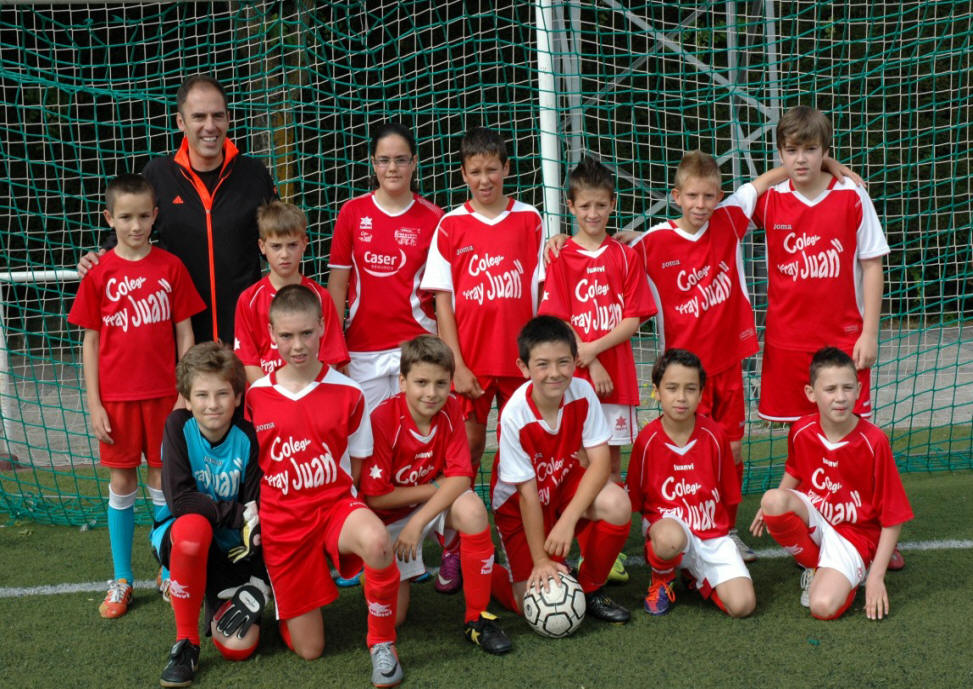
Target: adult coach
<point x="208" y="194"/>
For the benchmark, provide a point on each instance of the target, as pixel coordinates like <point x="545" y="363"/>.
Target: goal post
<point x="88" y="93"/>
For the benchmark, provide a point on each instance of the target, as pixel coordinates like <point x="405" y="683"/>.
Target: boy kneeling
<point x="681" y="477"/>
<point x="208" y="531"/>
<point x="418" y="481"/>
<point x="314" y="434"/>
<point x="542" y="496"/>
<point x="840" y="505"/>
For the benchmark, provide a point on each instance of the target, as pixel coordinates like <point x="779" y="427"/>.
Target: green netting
<point x="88" y="91"/>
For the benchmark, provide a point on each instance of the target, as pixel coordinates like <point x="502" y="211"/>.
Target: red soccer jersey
<point x="306" y="443"/>
<point x="530" y="449"/>
<point x="699" y="284"/>
<point x="853" y="483"/>
<point x="133" y="306"/>
<point x="492" y="267"/>
<point x="386" y="254"/>
<point x="252" y="341"/>
<point x="814" y="249"/>
<point x="694" y="483"/>
<point x="405" y="457"/>
<point x="594" y="291"/>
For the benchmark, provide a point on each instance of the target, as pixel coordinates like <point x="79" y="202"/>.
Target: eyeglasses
<point x="400" y="161"/>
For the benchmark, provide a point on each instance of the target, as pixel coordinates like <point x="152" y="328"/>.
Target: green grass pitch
<point x="60" y="641"/>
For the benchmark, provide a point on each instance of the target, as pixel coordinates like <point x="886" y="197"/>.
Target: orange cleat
<point x="116" y="600"/>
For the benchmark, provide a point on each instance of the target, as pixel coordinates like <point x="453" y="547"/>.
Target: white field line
<point x="633" y="560"/>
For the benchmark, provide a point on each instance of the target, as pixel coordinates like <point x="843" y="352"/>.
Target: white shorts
<point x="623" y="423"/>
<point x="377" y="373"/>
<point x="416" y="566"/>
<point x="711" y="561"/>
<point x="837" y="552"/>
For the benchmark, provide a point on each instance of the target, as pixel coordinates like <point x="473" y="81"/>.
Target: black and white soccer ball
<point x="557" y="612"/>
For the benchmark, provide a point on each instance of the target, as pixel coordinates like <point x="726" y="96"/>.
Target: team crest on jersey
<point x="366" y="223"/>
<point x="407" y="236"/>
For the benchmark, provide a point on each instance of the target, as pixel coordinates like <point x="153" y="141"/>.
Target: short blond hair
<point x="280" y="219"/>
<point x="804" y="125"/>
<point x="697" y="164"/>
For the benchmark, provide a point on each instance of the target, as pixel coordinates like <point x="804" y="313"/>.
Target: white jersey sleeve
<point x="744" y="198"/>
<point x="513" y="464"/>
<point x="870" y="236"/>
<point x="438" y="275"/>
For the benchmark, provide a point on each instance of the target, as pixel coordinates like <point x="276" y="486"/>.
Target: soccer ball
<point x="557" y="612"/>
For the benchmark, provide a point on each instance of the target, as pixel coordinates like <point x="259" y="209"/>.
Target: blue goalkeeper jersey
<point x="214" y="480"/>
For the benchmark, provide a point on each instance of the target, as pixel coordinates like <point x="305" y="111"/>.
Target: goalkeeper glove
<point x="243" y="608"/>
<point x="250" y="533"/>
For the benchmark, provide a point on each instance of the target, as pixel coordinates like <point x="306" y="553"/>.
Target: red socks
<point x="603" y="545"/>
<point x="661" y="569"/>
<point x="381" y="597"/>
<point x="794" y="536"/>
<point x="191" y="535"/>
<point x="503" y="589"/>
<point x="476" y="563"/>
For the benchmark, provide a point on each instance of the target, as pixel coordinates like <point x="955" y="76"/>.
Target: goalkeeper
<point x="208" y="534"/>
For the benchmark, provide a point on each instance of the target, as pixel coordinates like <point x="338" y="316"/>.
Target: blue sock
<point x="121" y="529"/>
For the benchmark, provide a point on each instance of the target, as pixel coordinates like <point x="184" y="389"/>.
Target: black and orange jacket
<point x="215" y="235"/>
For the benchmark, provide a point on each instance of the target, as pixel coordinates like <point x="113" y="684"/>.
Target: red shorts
<point x="298" y="569"/>
<point x="136" y="428"/>
<point x="783" y="376"/>
<point x="510" y="526"/>
<point x="723" y="401"/>
<point x="499" y="387"/>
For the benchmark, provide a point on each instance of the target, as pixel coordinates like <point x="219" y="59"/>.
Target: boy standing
<point x="283" y="239"/>
<point x="484" y="265"/>
<point x="598" y="285"/>
<point x="314" y="434"/>
<point x="542" y="497"/>
<point x="135" y="307"/>
<point x="824" y="264"/>
<point x="681" y="479"/>
<point x="695" y="270"/>
<point x="840" y="506"/>
<point x="208" y="532"/>
<point x="418" y="481"/>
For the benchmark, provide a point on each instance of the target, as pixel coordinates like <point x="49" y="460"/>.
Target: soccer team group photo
<point x="405" y="371"/>
<point x="347" y="424"/>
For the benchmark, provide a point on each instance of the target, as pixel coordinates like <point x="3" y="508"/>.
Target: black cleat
<point x="486" y="633"/>
<point x="183" y="661"/>
<point x="604" y="608"/>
